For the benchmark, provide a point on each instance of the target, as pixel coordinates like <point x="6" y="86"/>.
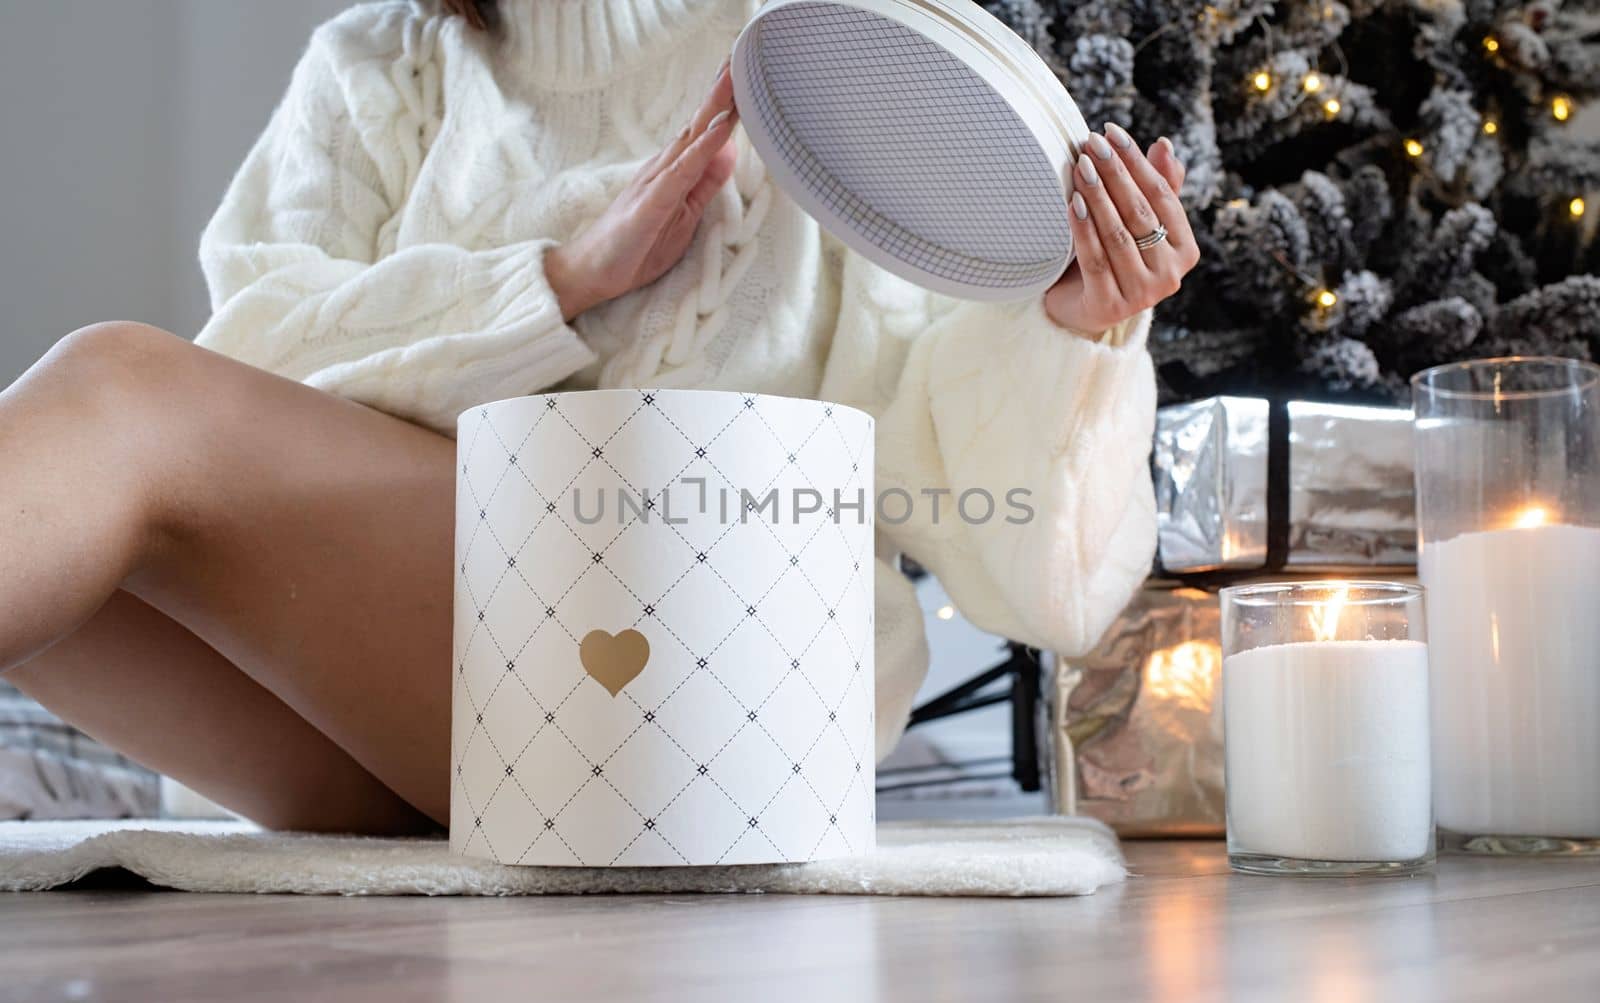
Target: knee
<point x="114" y="344"/>
<point x="117" y="363"/>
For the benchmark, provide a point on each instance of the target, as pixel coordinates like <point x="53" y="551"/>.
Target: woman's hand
<point x="647" y="229"/>
<point x="1120" y="195"/>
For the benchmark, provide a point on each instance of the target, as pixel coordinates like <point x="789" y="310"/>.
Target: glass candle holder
<point x="1508" y="514"/>
<point x="1325" y="729"/>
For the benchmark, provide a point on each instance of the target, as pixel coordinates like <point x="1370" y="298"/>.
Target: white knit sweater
<point x="384" y="241"/>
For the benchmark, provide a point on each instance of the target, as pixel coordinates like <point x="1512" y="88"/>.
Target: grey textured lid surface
<point x="913" y="140"/>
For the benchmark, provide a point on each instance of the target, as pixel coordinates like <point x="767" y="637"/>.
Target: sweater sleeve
<point x="300" y="260"/>
<point x="1025" y="449"/>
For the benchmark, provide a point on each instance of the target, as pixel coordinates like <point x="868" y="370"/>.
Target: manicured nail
<point x="721" y="70"/>
<point x="721" y="116"/>
<point x="1172" y="151"/>
<point x="1087" y="171"/>
<point x="1080" y="208"/>
<point x="1119" y="135"/>
<point x="1101" y="148"/>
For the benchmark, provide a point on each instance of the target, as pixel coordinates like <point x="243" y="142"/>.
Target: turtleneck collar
<point x="570" y="44"/>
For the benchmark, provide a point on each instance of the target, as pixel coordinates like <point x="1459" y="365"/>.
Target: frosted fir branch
<point x="1311" y="26"/>
<point x="1100" y="76"/>
<point x="1096" y="17"/>
<point x="1430" y="333"/>
<point x="1560" y="314"/>
<point x="1342" y="364"/>
<point x="1508" y="265"/>
<point x="1563" y="167"/>
<point x="1475" y="288"/>
<point x="1195" y="141"/>
<point x="1442" y="20"/>
<point x="1447" y="253"/>
<point x="1371" y="206"/>
<point x="1322" y="206"/>
<point x="1333" y="200"/>
<point x="1232" y="18"/>
<point x="1364" y="298"/>
<point x="1483" y="169"/>
<point x="1521" y="46"/>
<point x="1575" y="66"/>
<point x="1266" y="251"/>
<point x="1449" y="126"/>
<point x="1204" y="353"/>
<point x="1263" y="127"/>
<point x="1181" y="108"/>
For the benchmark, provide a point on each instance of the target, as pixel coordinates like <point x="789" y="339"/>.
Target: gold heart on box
<point x="614" y="660"/>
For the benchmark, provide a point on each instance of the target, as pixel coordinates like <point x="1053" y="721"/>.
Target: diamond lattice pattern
<point x="747" y="737"/>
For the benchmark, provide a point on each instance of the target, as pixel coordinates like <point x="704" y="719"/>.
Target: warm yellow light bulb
<point x="1312" y="83"/>
<point x="1561" y="108"/>
<point x="1262" y="81"/>
<point x="1577" y="208"/>
<point x="1332" y="107"/>
<point x="1327" y="299"/>
<point x="1491" y="44"/>
<point x="1490" y="127"/>
<point x="1413" y="148"/>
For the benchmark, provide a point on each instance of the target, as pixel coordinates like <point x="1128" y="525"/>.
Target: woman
<point x="233" y="562"/>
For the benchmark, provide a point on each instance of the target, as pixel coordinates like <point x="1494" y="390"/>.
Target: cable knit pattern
<point x="385" y="241"/>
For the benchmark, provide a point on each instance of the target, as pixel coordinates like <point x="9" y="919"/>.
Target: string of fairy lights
<point x="1323" y="88"/>
<point x="1562" y="108"/>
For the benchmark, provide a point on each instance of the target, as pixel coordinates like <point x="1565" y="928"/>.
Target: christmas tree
<point x="1377" y="185"/>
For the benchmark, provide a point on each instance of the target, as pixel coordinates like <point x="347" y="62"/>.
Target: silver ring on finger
<point x="1152" y="238"/>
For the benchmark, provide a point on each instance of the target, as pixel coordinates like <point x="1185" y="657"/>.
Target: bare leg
<point x="306" y="539"/>
<point x="138" y="681"/>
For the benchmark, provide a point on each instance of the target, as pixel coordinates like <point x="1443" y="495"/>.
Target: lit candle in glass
<point x="1325" y="725"/>
<point x="1508" y="489"/>
<point x="1516" y="631"/>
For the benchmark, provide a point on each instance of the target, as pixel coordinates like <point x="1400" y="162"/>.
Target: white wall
<point x="122" y="122"/>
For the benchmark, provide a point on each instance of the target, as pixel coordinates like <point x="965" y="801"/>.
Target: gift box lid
<point x="924" y="134"/>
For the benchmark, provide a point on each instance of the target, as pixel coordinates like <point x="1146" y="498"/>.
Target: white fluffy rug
<point x="1036" y="856"/>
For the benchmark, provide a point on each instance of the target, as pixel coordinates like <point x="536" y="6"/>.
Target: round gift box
<point x="663" y="630"/>
<point x="923" y="133"/>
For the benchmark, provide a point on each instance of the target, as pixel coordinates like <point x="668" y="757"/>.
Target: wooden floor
<point x="1185" y="929"/>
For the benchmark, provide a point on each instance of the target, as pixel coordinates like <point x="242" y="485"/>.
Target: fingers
<point x="1155" y="186"/>
<point x="716" y="175"/>
<point x="1120" y="194"/>
<point x="1109" y="227"/>
<point x="1165" y="159"/>
<point x="1098" y="278"/>
<point x="678" y="179"/>
<point x="719" y="100"/>
<point x="1133" y="208"/>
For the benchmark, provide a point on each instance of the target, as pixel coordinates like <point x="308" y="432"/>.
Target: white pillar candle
<point x="1327" y="750"/>
<point x="1514" y="627"/>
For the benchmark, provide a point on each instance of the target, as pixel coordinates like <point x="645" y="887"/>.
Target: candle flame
<point x="1325" y="616"/>
<point x="1531" y="517"/>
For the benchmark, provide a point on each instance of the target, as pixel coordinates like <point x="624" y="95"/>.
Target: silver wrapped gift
<point x="1136" y="725"/>
<point x="1134" y="732"/>
<point x="1342" y="476"/>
